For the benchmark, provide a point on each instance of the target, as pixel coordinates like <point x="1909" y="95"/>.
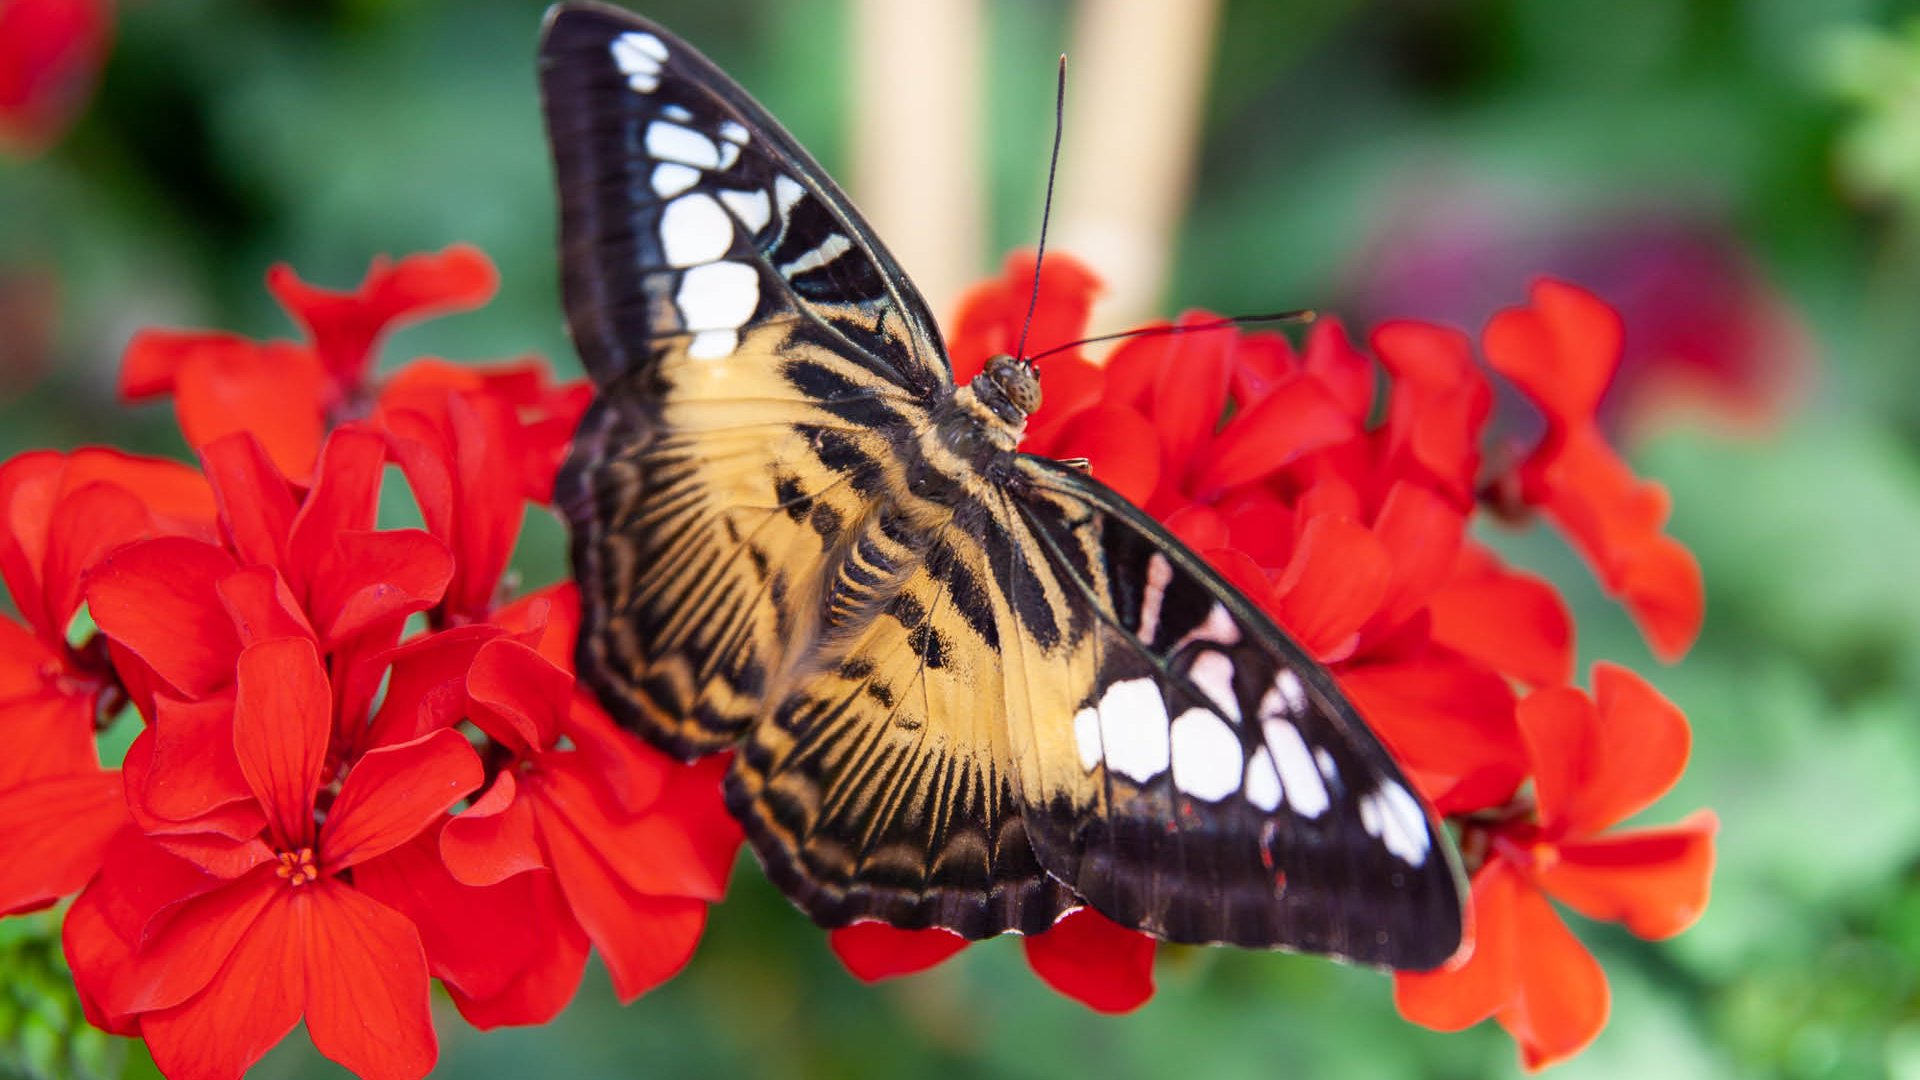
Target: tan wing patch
<point x="882" y="786"/>
<point x="703" y="512"/>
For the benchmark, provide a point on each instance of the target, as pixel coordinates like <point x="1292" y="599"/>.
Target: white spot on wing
<point x="694" y="230"/>
<point x="1327" y="768"/>
<point x="830" y="249"/>
<point x="670" y="179"/>
<point x="1133" y="729"/>
<point x="638" y="55"/>
<point x="1206" y="756"/>
<point x="1219" y="628"/>
<point x="1288" y="697"/>
<point x="671" y="142"/>
<point x="1394" y="815"/>
<point x="718" y="296"/>
<point x="676" y="112"/>
<point x="1263" y="783"/>
<point x="729" y="153"/>
<point x="733" y="131"/>
<point x="1212" y="672"/>
<point x="713" y="344"/>
<point x="786" y="192"/>
<point x="1306" y="792"/>
<point x="1159" y="575"/>
<point x="753" y="208"/>
<point x="1086" y="736"/>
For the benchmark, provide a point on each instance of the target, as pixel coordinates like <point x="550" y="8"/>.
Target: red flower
<point x="289" y="394"/>
<point x="1562" y="352"/>
<point x="1344" y="515"/>
<point x="1596" y="762"/>
<point x="50" y="56"/>
<point x="220" y="972"/>
<point x="633" y="845"/>
<point x="59" y="516"/>
<point x="1085" y="956"/>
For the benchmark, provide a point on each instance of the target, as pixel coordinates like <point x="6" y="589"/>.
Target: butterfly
<point x="963" y="687"/>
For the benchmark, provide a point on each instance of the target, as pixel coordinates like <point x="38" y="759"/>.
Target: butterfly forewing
<point x="755" y="357"/>
<point x="966" y="689"/>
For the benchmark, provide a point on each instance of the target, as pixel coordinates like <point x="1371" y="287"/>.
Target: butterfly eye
<point x="1018" y="380"/>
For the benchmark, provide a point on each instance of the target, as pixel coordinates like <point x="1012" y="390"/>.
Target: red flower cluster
<point x="359" y="767"/>
<point x="1337" y="493"/>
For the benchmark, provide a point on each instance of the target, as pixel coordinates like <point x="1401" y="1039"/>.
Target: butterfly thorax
<point x="981" y="423"/>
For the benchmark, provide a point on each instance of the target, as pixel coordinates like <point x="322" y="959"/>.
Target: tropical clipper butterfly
<point x="963" y="687"/>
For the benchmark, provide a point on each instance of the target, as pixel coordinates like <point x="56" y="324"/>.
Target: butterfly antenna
<point x="1303" y="315"/>
<point x="1046" y="208"/>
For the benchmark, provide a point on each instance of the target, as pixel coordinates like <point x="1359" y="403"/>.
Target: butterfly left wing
<point x="1184" y="766"/>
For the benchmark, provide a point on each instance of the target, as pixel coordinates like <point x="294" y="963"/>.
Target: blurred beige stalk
<point x="1136" y="83"/>
<point x="917" y="171"/>
<point x="1136" y="80"/>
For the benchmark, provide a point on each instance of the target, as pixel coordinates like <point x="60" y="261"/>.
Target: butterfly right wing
<point x="1184" y="766"/>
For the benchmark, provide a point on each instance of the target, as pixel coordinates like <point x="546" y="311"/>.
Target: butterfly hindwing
<point x="880" y="784"/>
<point x="1199" y="776"/>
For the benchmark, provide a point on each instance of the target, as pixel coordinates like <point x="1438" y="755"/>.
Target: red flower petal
<point x="690" y="841"/>
<point x="1510" y="621"/>
<point x="425" y="681"/>
<point x="394" y="793"/>
<point x="628" y="771"/>
<point x="1421" y="533"/>
<point x="1448" y="722"/>
<point x="545" y="987"/>
<point x="1563" y="1000"/>
<point x="270" y="390"/>
<point x="194" y="769"/>
<point x="1334" y="583"/>
<point x="479" y="940"/>
<point x="249" y="1005"/>
<point x="281" y="719"/>
<point x="366" y="983"/>
<point x="1296" y="418"/>
<point x="55" y="832"/>
<point x="1122" y="446"/>
<point x="518" y="696"/>
<point x="345" y="497"/>
<point x="1562" y="351"/>
<point x="1189" y="395"/>
<point x="1095" y="961"/>
<point x="645" y="940"/>
<point x="873" y="950"/>
<point x="370" y="577"/>
<point x="344" y="326"/>
<point x="1483" y="976"/>
<point x="191" y="940"/>
<point x="1261" y="361"/>
<point x="992" y="314"/>
<point x="256" y="506"/>
<point x="1653" y="880"/>
<point x="96" y="954"/>
<point x="1344" y="370"/>
<point x="1440" y="401"/>
<point x="261" y="606"/>
<point x="495" y="838"/>
<point x="158" y="600"/>
<point x="1068" y="385"/>
<point x="1598" y="765"/>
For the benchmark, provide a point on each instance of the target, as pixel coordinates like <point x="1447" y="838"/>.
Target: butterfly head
<point x="1018" y="382"/>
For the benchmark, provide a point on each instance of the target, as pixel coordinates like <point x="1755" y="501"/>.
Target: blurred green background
<point x="1742" y="177"/>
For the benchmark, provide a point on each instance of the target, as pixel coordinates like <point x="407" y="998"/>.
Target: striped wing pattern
<point x="966" y="688"/>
